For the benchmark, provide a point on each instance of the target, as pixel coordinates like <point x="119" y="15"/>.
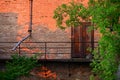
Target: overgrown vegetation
<point x="105" y="16"/>
<point x="70" y="15"/>
<point x="19" y="66"/>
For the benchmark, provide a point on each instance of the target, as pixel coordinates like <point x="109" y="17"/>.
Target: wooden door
<point x="81" y="41"/>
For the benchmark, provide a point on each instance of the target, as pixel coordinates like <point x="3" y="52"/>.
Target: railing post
<point x="45" y="49"/>
<point x="19" y="50"/>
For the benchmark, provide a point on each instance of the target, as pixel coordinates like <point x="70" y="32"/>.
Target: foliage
<point x="105" y="16"/>
<point x="105" y="64"/>
<point x="19" y="66"/>
<point x="70" y="15"/>
<point x="92" y="77"/>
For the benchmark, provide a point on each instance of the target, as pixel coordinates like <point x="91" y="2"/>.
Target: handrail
<point x="48" y="50"/>
<point x="14" y="48"/>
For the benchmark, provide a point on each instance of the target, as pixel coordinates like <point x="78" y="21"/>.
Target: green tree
<point x="70" y="15"/>
<point x="105" y="16"/>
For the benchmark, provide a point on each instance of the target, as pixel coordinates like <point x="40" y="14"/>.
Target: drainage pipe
<point x="14" y="48"/>
<point x="29" y="29"/>
<point x="31" y="10"/>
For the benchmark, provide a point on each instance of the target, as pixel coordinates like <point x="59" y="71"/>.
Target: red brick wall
<point x="44" y="26"/>
<point x="42" y="10"/>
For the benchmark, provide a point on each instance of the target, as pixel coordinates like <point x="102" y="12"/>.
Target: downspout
<point x="15" y="47"/>
<point x="31" y="10"/>
<point x="29" y="29"/>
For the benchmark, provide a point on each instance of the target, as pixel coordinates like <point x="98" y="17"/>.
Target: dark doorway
<point x="82" y="40"/>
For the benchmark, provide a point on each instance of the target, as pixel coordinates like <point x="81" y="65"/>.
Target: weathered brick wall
<point x="15" y="20"/>
<point x="8" y="26"/>
<point x="42" y="14"/>
<point x="61" y="71"/>
<point x="14" y="23"/>
<point x="8" y="31"/>
<point x="52" y="70"/>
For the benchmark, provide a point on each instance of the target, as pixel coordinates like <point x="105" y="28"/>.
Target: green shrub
<point x="19" y="66"/>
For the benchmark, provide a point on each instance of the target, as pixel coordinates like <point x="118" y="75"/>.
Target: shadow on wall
<point x="44" y="34"/>
<point x="10" y="31"/>
<point x="8" y="26"/>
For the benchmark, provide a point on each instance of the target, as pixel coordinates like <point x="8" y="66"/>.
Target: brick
<point x="15" y="20"/>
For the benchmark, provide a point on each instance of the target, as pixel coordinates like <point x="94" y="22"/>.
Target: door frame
<point x="84" y="24"/>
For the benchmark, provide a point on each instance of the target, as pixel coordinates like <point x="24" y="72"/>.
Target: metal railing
<point x="47" y="50"/>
